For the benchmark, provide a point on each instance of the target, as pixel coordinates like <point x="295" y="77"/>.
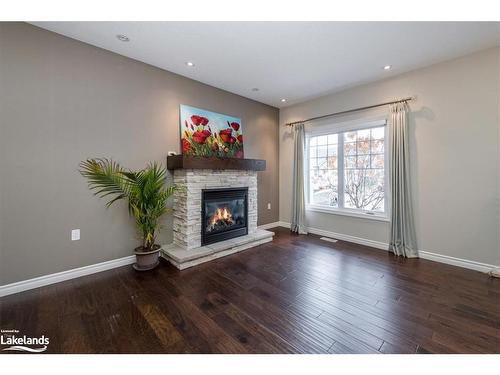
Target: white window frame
<point x="343" y="127"/>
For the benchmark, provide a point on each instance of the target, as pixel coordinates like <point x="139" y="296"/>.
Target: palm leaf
<point x="105" y="177"/>
<point x="145" y="191"/>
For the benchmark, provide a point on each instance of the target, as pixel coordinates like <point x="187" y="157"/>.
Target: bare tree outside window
<point x="364" y="189"/>
<point x="364" y="169"/>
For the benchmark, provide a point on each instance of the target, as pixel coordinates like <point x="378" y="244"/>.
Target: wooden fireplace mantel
<point x="201" y="162"/>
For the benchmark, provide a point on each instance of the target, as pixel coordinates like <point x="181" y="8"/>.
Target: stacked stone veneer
<point x="187" y="200"/>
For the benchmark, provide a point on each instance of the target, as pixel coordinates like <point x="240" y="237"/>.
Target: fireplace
<point x="211" y="190"/>
<point x="224" y="214"/>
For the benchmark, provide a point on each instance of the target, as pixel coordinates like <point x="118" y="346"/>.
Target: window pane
<point x="322" y="151"/>
<point x="377" y="146"/>
<point x="322" y="140"/>
<point x="312" y="152"/>
<point x="363" y="161"/>
<point x="350" y="137"/>
<point x="332" y="162"/>
<point x="363" y="135"/>
<point x="324" y="188"/>
<point x="377" y="161"/>
<point x="332" y="139"/>
<point x="363" y="148"/>
<point x="350" y="161"/>
<point x="364" y="169"/>
<point x="322" y="163"/>
<point x="378" y="133"/>
<point x="332" y="150"/>
<point x="364" y="189"/>
<point x="350" y="148"/>
<point x="313" y="141"/>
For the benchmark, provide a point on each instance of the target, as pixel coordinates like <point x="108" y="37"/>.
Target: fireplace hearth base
<point x="182" y="258"/>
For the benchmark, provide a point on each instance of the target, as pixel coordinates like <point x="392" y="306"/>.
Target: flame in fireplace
<point x="222" y="214"/>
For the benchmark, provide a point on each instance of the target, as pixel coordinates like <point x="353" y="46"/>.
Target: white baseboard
<point x="38" y="282"/>
<point x="284" y="224"/>
<point x="464" y="263"/>
<point x="343" y="237"/>
<point x="459" y="262"/>
<point x="348" y="238"/>
<point x="269" y="225"/>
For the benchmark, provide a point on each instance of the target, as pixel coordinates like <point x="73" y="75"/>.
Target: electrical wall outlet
<point x="269" y="206"/>
<point x="75" y="234"/>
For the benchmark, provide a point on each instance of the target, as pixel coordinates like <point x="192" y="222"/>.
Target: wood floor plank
<point x="260" y="331"/>
<point x="296" y="294"/>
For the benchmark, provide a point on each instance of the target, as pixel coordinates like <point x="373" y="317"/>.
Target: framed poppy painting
<point x="206" y="133"/>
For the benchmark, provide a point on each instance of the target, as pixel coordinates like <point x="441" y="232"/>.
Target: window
<point x="346" y="170"/>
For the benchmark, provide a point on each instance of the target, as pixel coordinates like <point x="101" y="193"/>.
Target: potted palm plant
<point x="146" y="193"/>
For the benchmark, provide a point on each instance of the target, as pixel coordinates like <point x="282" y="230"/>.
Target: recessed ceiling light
<point x="283" y="100"/>
<point x="123" y="38"/>
<point x="255" y="89"/>
<point x="387" y="67"/>
<point x="189" y="63"/>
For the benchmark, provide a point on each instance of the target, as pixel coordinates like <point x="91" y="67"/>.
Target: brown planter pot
<point x="146" y="260"/>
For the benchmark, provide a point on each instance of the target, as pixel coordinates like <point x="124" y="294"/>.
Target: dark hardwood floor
<point x="298" y="294"/>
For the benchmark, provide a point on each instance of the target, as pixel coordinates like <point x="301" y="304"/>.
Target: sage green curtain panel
<point x="403" y="239"/>
<point x="298" y="220"/>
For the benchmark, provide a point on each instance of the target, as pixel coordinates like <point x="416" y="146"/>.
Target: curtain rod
<point x="352" y="110"/>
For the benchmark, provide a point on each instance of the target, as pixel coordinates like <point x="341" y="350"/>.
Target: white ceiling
<point x="292" y="60"/>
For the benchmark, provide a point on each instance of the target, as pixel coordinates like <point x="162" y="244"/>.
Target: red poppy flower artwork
<point x="199" y="120"/>
<point x="186" y="146"/>
<point x="225" y="135"/>
<point x="199" y="137"/>
<point x="206" y="133"/>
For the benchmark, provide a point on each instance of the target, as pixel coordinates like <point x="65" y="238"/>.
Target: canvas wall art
<point x="206" y="133"/>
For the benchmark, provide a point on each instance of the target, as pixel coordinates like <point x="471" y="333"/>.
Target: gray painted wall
<point x="498" y="75"/>
<point x="63" y="101"/>
<point x="454" y="149"/>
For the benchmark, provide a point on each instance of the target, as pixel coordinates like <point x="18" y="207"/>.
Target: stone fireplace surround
<point x="186" y="250"/>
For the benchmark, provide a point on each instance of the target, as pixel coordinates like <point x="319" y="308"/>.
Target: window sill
<point x="336" y="211"/>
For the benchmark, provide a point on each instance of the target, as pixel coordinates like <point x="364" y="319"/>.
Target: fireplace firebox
<point x="224" y="214"/>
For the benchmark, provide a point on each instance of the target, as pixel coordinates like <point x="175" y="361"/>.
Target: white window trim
<point x="370" y="215"/>
<point x="340" y="128"/>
